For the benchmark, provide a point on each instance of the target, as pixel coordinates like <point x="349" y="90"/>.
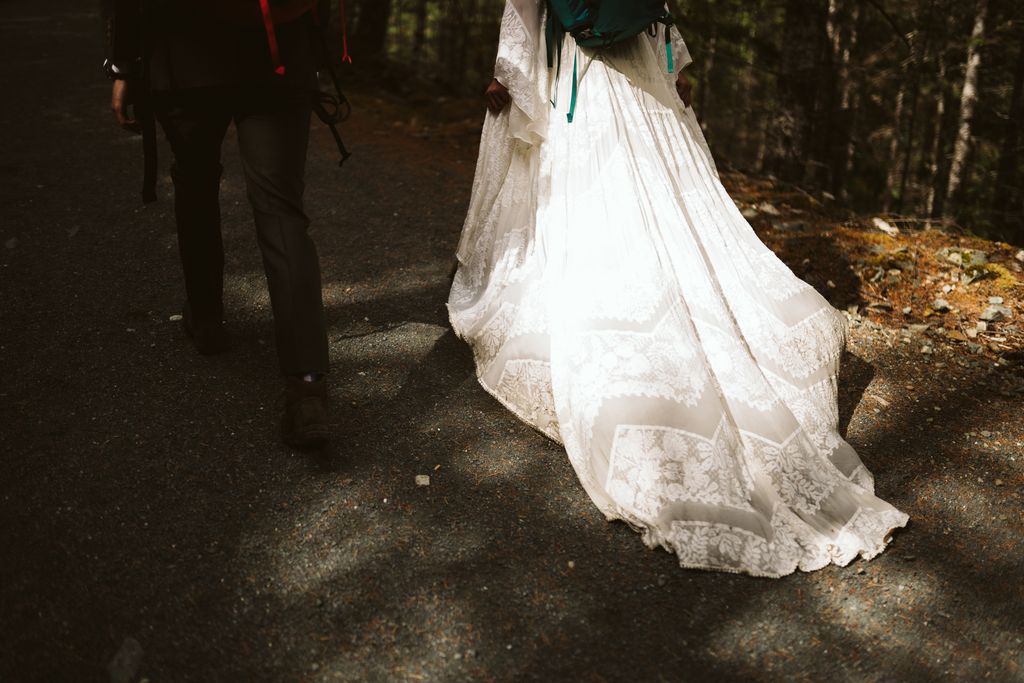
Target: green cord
<point x="575" y="88"/>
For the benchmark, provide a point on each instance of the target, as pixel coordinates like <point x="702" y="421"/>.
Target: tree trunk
<point x="704" y="82"/>
<point x="851" y="99"/>
<point x="894" y="145"/>
<point x="467" y="10"/>
<point x="915" y="90"/>
<point x="968" y="102"/>
<point x="1007" y="209"/>
<point x="420" y="35"/>
<point x="798" y="88"/>
<point x="893" y="177"/>
<point x="370" y="39"/>
<point x="842" y="29"/>
<point x="931" y="207"/>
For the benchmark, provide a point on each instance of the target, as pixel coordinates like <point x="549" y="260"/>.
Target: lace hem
<point x="848" y="546"/>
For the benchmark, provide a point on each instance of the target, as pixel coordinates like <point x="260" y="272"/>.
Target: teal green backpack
<point x="600" y="23"/>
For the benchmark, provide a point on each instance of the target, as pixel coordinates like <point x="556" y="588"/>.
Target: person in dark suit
<point x="200" y="65"/>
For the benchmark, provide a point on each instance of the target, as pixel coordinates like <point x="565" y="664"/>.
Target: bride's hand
<point x="684" y="88"/>
<point x="497" y="96"/>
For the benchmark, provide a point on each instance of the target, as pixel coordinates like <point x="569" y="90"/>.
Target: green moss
<point x="1003" y="278"/>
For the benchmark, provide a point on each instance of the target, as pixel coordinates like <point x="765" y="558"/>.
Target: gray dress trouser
<point x="273" y="134"/>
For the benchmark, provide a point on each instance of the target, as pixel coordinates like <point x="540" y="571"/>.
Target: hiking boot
<point x="304" y="423"/>
<point x="209" y="338"/>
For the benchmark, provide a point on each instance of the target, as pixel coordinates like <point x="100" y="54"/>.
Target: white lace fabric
<point x="616" y="300"/>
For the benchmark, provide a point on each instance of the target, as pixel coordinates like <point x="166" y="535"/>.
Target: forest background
<point x="909" y="108"/>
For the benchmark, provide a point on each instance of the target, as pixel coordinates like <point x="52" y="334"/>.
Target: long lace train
<point x="617" y="300"/>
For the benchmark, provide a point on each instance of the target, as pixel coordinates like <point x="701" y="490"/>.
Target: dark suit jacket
<point x="191" y="44"/>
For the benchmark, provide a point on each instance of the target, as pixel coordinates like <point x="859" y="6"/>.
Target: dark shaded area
<point x="144" y="492"/>
<point x="828" y="265"/>
<point x="855" y="375"/>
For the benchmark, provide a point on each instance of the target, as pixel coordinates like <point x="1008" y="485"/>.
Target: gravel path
<point x="151" y="526"/>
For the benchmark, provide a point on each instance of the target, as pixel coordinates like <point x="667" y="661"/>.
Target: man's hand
<point x="497" y="96"/>
<point x="119" y="99"/>
<point x="684" y="88"/>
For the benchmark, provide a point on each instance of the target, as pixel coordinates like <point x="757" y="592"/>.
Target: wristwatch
<point x="120" y="72"/>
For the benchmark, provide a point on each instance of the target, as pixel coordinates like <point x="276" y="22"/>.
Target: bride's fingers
<point x="497" y="101"/>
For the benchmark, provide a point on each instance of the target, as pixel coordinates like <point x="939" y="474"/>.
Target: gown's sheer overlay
<point x="616" y="300"/>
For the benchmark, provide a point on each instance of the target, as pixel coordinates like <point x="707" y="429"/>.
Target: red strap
<point x="268" y="24"/>
<point x="345" y="57"/>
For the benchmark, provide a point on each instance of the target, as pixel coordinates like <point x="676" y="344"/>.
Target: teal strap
<point x="668" y="50"/>
<point x="575" y="88"/>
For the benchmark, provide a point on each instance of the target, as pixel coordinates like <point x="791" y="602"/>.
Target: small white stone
<point x="885" y="226"/>
<point x="124" y="667"/>
<point x="996" y="313"/>
<point x="423" y="480"/>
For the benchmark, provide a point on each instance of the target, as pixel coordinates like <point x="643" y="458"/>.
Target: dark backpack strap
<point x="328" y="118"/>
<point x="331" y="109"/>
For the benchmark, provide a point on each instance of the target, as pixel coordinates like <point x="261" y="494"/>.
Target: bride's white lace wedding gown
<point x="617" y="300"/>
